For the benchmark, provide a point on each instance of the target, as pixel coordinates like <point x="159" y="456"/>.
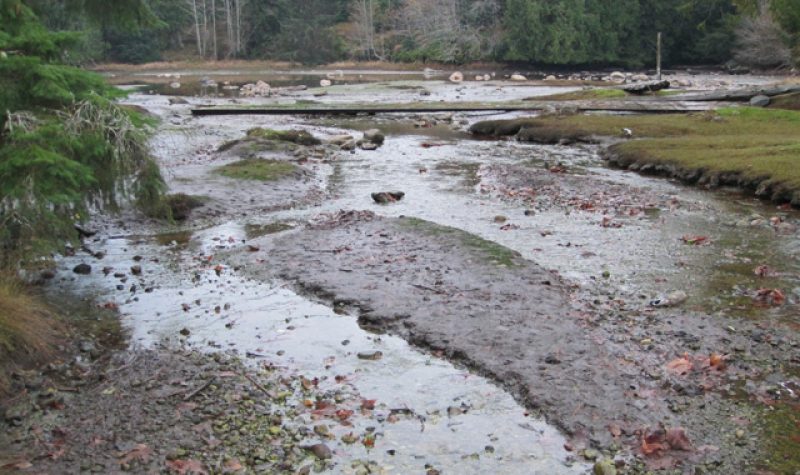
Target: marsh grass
<point x="257" y="169"/>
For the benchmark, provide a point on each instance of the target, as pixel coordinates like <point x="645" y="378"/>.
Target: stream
<point x="190" y="294"/>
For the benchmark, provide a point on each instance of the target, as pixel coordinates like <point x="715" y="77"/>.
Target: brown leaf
<point x="653" y="444"/>
<point x="186" y="467"/>
<point x="676" y="438"/>
<point x="695" y="240"/>
<point x="615" y="430"/>
<point x="680" y="366"/>
<point x="139" y="453"/>
<point x="232" y="466"/>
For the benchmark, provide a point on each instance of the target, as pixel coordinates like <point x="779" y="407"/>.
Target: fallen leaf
<point x="344" y="414"/>
<point x="654" y="443"/>
<point x="695" y="240"/>
<point x="680" y="365"/>
<point x="716" y="361"/>
<point x="186" y="467"/>
<point x="676" y="438"/>
<point x="368" y="404"/>
<point x="773" y="297"/>
<point x="140" y="453"/>
<point x="19" y="464"/>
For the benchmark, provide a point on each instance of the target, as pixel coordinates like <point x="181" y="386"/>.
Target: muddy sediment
<point x="599" y="375"/>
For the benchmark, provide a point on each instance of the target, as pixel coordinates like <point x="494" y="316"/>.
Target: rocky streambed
<point x="522" y="309"/>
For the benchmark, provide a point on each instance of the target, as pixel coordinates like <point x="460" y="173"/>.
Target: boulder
<point x="456" y="77"/>
<point x="82" y="269"/>
<point x="349" y="145"/>
<point x="375" y="136"/>
<point x="175" y="85"/>
<point x="550" y="78"/>
<point x="174" y="101"/>
<point x="640" y="77"/>
<point x="760" y="101"/>
<point x="384" y="197"/>
<point x="325" y="83"/>
<point x="339" y="139"/>
<point x="518" y="77"/>
<point x="617" y="76"/>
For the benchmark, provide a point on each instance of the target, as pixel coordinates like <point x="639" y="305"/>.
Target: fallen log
<point x="645" y="87"/>
<point x="736" y="95"/>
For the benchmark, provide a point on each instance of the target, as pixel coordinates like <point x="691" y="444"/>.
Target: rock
<point x="321" y="451"/>
<point x="370" y="355"/>
<point x="671" y="300"/>
<point x="640" y="77"/>
<point x="136" y="270"/>
<point x="684" y="83"/>
<point x="185" y="331"/>
<point x="518" y="77"/>
<point x="86" y="346"/>
<point x="175" y="101"/>
<point x="375" y="136"/>
<point x="82" y="269"/>
<point x="175" y="85"/>
<point x="617" y="76"/>
<point x="550" y="78"/>
<point x="349" y="145"/>
<point x="424" y="92"/>
<point x="456" y="77"/>
<point x="339" y="139"/>
<point x="384" y="197"/>
<point x="479" y="77"/>
<point x="552" y="359"/>
<point x="258" y="89"/>
<point x="590" y="454"/>
<point x="760" y="101"/>
<point x="325" y="83"/>
<point x="605" y="467"/>
<point x="369" y="146"/>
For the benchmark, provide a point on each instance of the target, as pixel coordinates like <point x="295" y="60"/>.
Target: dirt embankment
<point x="606" y="377"/>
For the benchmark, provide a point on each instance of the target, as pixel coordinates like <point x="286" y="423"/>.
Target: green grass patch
<point x="300" y="137"/>
<point x="584" y="95"/>
<point x="489" y="250"/>
<point x="257" y="169"/>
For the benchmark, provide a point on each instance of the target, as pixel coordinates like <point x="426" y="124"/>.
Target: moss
<point x="780" y="425"/>
<point x="584" y="94"/>
<point x="489" y="250"/>
<point x="257" y="169"/>
<point x="300" y="137"/>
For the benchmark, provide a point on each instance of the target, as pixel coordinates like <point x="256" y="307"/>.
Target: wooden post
<point x="658" y="56"/>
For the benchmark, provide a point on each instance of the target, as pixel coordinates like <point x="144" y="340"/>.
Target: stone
<point x="325" y="83"/>
<point x="321" y="451"/>
<point x="550" y="78"/>
<point x="174" y="101"/>
<point x="605" y="467"/>
<point x="617" y="76"/>
<point x="339" y="139"/>
<point x="82" y="269"/>
<point x="369" y="146"/>
<point x="349" y="145"/>
<point x="760" y="101"/>
<point x="370" y="355"/>
<point x="518" y="77"/>
<point x="136" y="270"/>
<point x="456" y="77"/>
<point x="640" y="77"/>
<point x="384" y="197"/>
<point x="375" y="136"/>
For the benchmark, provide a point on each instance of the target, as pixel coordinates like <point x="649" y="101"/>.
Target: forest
<point x="755" y="33"/>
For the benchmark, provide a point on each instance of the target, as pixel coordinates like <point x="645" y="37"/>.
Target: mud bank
<point x="600" y="375"/>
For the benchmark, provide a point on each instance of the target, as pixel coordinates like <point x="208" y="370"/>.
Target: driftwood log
<point x="645" y="87"/>
<point x="737" y="95"/>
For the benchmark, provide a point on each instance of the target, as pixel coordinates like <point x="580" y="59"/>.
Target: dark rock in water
<point x="136" y="270"/>
<point x="185" y="332"/>
<point x="760" y="101"/>
<point x="83" y="232"/>
<point x="375" y="136"/>
<point x="321" y="451"/>
<point x="370" y="355"/>
<point x="174" y="101"/>
<point x="369" y="146"/>
<point x="83" y="269"/>
<point x="47" y="274"/>
<point x="385" y="197"/>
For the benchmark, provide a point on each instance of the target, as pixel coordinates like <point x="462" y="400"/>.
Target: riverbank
<point x="754" y="149"/>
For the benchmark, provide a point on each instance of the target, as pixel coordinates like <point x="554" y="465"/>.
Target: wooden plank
<point x="647" y="106"/>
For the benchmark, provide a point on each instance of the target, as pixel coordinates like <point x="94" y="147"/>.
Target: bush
<point x="762" y="43"/>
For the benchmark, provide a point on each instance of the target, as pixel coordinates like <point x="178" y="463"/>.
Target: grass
<point x="583" y="95"/>
<point x="491" y="251"/>
<point x="28" y="330"/>
<point x="786" y="101"/>
<point x="257" y="169"/>
<point x="744" y="146"/>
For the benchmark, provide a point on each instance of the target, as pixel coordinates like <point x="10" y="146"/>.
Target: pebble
<point x="321" y="451"/>
<point x="370" y="355"/>
<point x="82" y="269"/>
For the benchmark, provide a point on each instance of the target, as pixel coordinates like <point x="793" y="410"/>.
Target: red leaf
<point x="344" y="414"/>
<point x="368" y="404"/>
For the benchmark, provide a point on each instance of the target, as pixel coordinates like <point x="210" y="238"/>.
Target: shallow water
<point x="443" y="173"/>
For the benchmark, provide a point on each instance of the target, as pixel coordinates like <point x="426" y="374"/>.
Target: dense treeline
<point x="557" y="32"/>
